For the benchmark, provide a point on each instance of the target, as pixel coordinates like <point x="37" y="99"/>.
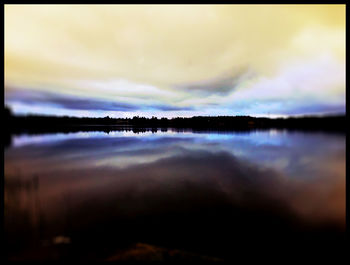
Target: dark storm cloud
<point x="219" y="85"/>
<point x="35" y="97"/>
<point x="170" y="108"/>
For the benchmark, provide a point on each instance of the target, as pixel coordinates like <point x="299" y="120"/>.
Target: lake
<point x="167" y="194"/>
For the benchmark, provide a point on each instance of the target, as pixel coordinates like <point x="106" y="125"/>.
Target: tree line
<point x="335" y="122"/>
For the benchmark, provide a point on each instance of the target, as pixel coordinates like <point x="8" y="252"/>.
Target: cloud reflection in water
<point x="240" y="184"/>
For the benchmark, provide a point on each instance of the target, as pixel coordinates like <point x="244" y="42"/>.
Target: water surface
<point x="90" y="195"/>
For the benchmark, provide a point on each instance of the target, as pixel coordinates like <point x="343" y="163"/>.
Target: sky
<point x="175" y="60"/>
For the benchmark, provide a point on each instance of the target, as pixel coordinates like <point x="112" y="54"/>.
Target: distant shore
<point x="46" y="124"/>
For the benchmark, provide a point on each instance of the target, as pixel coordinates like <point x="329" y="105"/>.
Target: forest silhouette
<point x="42" y="124"/>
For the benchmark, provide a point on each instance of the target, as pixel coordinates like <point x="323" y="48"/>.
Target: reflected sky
<point x="100" y="177"/>
<point x="292" y="153"/>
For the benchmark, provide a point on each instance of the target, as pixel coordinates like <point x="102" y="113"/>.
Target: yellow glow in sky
<point x="60" y="47"/>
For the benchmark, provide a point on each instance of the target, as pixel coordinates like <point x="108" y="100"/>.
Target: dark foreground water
<point x="169" y="195"/>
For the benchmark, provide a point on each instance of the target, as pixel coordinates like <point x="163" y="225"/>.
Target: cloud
<point x="183" y="60"/>
<point x="314" y="85"/>
<point x="33" y="97"/>
<point x="170" y="108"/>
<point x="221" y="85"/>
<point x="156" y="44"/>
<point x="43" y="98"/>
